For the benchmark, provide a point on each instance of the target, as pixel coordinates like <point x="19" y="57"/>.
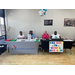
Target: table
<point x="27" y="47"/>
<point x="67" y="44"/>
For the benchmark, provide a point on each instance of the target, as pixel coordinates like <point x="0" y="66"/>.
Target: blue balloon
<point x="44" y="13"/>
<point x="45" y="9"/>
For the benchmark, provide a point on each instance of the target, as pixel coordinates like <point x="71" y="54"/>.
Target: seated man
<point x="30" y="35"/>
<point x="45" y="35"/>
<point x="55" y="35"/>
<point x="21" y="35"/>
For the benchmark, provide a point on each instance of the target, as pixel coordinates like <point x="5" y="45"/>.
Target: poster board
<point x="48" y="22"/>
<point x="69" y="22"/>
<point x="55" y="46"/>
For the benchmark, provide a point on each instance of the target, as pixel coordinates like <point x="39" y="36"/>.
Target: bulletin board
<point x="56" y="46"/>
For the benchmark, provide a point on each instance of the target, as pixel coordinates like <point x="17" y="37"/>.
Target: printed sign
<point x="56" y="46"/>
<point x="15" y="48"/>
<point x="48" y="22"/>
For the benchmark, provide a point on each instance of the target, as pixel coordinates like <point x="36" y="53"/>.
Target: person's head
<point x="21" y="32"/>
<point x="45" y="32"/>
<point x="31" y="32"/>
<point x="55" y="32"/>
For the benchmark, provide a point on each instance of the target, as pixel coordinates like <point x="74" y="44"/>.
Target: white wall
<point x="29" y="19"/>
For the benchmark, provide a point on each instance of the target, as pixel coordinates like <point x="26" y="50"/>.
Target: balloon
<point x="45" y="9"/>
<point x="42" y="12"/>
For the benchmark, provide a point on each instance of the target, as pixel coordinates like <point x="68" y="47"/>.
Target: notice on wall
<point x="69" y="22"/>
<point x="48" y="22"/>
<point x="56" y="46"/>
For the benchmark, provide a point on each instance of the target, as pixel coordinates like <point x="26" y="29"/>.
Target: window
<point x="1" y="21"/>
<point x="2" y="29"/>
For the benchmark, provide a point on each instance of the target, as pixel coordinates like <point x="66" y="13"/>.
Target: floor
<point x="39" y="59"/>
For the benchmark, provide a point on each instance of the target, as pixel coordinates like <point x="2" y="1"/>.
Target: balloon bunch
<point x="42" y="12"/>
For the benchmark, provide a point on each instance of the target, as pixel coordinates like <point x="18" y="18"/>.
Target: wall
<point x="1" y="14"/>
<point x="29" y="19"/>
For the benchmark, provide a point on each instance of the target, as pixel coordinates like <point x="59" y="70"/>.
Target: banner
<point x="56" y="46"/>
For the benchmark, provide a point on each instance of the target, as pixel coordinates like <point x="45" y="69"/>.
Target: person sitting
<point x="45" y="35"/>
<point x="30" y="35"/>
<point x="21" y="35"/>
<point x="55" y="35"/>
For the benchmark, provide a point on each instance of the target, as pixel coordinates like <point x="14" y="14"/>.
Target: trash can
<point x="3" y="45"/>
<point x="3" y="48"/>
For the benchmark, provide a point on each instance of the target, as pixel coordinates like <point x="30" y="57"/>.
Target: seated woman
<point x="45" y="35"/>
<point x="55" y="35"/>
<point x="21" y="35"/>
<point x="30" y="35"/>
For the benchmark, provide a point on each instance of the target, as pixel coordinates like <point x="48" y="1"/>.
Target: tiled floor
<point x="39" y="59"/>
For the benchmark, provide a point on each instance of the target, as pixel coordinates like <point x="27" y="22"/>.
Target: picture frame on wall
<point x="48" y="22"/>
<point x="69" y="22"/>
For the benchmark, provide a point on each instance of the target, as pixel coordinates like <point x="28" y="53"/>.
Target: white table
<point x="23" y="47"/>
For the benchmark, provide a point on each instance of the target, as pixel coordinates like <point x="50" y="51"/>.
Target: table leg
<point x="8" y="49"/>
<point x="65" y="50"/>
<point x="43" y="51"/>
<point x="70" y="51"/>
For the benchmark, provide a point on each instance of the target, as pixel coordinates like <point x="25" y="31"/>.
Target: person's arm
<point x="18" y="37"/>
<point x="31" y="37"/>
<point x="60" y="37"/>
<point x="51" y="37"/>
<point x="34" y="36"/>
<point x="23" y="37"/>
<point x="42" y="37"/>
<point x="48" y="36"/>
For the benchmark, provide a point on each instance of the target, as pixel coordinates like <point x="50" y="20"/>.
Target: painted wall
<point x="1" y="20"/>
<point x="29" y="19"/>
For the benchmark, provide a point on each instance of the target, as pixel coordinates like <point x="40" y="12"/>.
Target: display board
<point x="56" y="46"/>
<point x="48" y="22"/>
<point x="69" y="22"/>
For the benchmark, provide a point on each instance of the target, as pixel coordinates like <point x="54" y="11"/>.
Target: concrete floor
<point x="39" y="59"/>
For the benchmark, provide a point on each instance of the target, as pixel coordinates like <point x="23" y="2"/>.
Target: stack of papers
<point x="20" y="40"/>
<point x="68" y="40"/>
<point x="29" y="39"/>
